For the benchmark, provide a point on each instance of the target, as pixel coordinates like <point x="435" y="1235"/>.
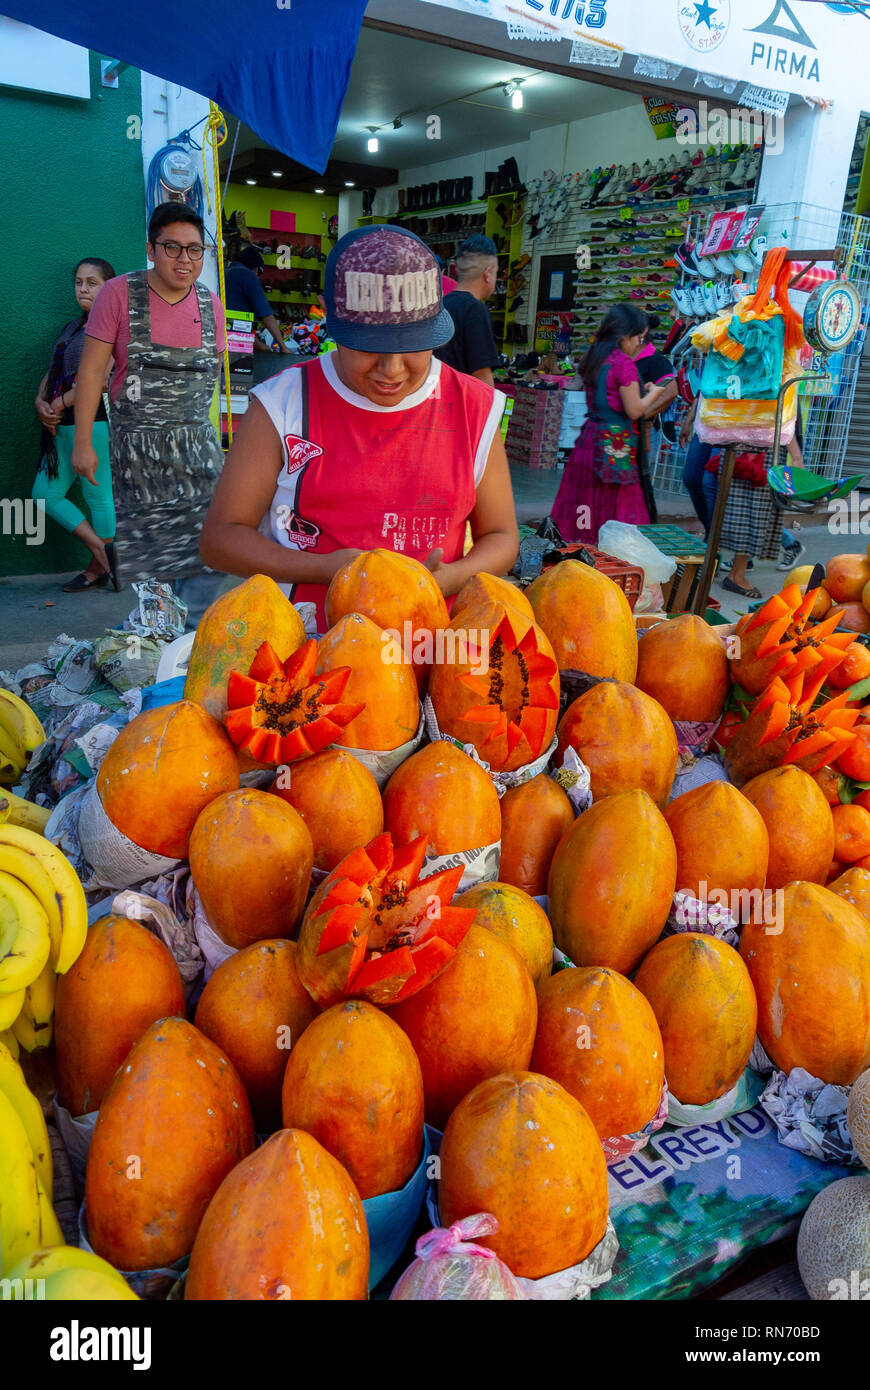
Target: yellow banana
<point x="31" y="1037"/>
<point x="68" y="891"/>
<point x="39" y="997"/>
<point x="12" y="751"/>
<point x="43" y="1264"/>
<point x="17" y="716"/>
<point x="10" y="1007"/>
<point x="28" y="870"/>
<point x="19" y="1189"/>
<point x="87" y="1285"/>
<point x="29" y="1112"/>
<point x="25" y="958"/>
<point x="26" y="813"/>
<point x="49" y="1226"/>
<point x="10" y="1042"/>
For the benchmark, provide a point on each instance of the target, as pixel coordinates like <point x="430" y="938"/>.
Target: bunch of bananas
<point x="27" y="1219"/>
<point x="20" y="733"/>
<point x="43" y="923"/>
<point x="31" y="1242"/>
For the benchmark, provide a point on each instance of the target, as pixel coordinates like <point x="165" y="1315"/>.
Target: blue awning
<point x="284" y="71"/>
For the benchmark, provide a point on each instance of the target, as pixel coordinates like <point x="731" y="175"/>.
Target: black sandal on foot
<point x="81" y="582"/>
<point x="729" y="584"/>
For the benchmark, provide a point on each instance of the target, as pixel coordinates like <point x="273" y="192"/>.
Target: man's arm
<point x="90" y="383"/>
<point x="230" y="540"/>
<point x="274" y="327"/>
<point x="485" y="374"/>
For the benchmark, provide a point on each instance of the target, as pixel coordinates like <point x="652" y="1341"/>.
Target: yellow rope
<point x="215" y="135"/>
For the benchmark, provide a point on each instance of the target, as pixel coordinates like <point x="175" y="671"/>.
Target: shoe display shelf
<point x="505" y="214"/>
<point x="647" y="272"/>
<point x="447" y="229"/>
<point x="275" y="276"/>
<point x="638" y="209"/>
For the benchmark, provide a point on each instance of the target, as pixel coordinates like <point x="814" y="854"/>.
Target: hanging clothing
<point x="166" y="458"/>
<point x="365" y="476"/>
<point x="602" y="481"/>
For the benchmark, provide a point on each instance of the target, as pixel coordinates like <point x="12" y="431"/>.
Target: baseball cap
<point x="250" y="257"/>
<point x="382" y="287"/>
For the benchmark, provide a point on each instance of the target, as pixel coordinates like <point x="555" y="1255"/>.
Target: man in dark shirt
<point x="245" y="293"/>
<point x="472" y="348"/>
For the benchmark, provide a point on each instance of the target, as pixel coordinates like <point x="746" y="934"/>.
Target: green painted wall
<point x="72" y="186"/>
<point x="312" y="210"/>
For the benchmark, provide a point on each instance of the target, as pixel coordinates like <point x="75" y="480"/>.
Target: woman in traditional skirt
<point x="751" y="524"/>
<point x="602" y="481"/>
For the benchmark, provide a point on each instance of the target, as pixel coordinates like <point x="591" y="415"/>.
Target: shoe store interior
<point x="594" y="194"/>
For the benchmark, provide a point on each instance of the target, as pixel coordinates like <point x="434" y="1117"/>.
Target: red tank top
<point x="365" y="476"/>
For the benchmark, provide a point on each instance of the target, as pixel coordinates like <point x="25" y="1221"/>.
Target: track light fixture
<point x="397" y="123"/>
<point x="372" y="145"/>
<point x="514" y="90"/>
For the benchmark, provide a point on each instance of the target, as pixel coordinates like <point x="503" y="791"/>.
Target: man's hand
<point x="434" y="562"/>
<point x="339" y="558"/>
<point x="84" y="462"/>
<point x="685" y="434"/>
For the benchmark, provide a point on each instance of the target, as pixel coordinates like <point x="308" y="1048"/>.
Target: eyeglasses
<point x="174" y="250"/>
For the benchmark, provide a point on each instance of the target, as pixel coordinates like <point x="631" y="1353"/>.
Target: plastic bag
<point x="629" y="543"/>
<point x="450" y="1268"/>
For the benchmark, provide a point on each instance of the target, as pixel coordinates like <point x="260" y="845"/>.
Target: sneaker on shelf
<point x="711" y="303"/>
<point x="791" y="554"/>
<point x="682" y="297"/>
<point x="724" y="294"/>
<point x="758" y="251"/>
<point x="743" y="261"/>
<point x="699" y="307"/>
<point x="685" y="256"/>
<point x="724" y="263"/>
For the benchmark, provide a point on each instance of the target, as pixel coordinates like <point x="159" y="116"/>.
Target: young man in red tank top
<point x="377" y="444"/>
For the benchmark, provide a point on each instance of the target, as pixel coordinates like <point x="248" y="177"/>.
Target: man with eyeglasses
<point x="165" y="334"/>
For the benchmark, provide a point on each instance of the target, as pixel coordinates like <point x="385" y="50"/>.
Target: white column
<point x="808" y="163"/>
<point x="167" y="110"/>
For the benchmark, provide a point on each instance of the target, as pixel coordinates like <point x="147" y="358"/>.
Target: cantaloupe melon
<point x="833" y="1246"/>
<point x="858" y="1117"/>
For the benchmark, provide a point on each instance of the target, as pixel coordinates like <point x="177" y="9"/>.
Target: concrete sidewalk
<point x="35" y="611"/>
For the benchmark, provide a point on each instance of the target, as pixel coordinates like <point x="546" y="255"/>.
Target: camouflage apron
<point x="166" y="458"/>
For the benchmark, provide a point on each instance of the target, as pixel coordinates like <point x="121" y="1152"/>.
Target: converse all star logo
<point x="299" y="452"/>
<point x="704" y="23"/>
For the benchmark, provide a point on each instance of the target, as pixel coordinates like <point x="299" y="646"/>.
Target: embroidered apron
<point x="614" y="438"/>
<point x="166" y="457"/>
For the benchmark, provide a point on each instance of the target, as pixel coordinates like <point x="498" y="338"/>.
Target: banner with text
<point x="812" y="49"/>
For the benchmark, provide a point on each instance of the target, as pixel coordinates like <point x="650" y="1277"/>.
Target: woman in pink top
<point x="375" y="445"/>
<point x="602" y="481"/>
